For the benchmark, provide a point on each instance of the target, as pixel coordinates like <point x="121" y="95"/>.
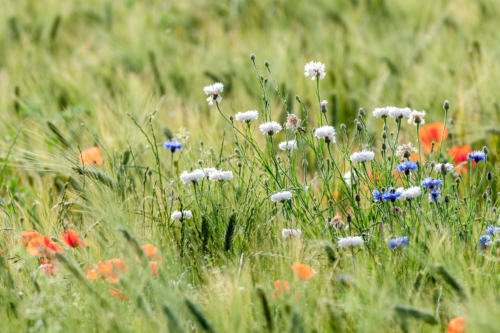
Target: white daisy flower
<point x="362" y="156"/>
<point x="447" y="167"/>
<point x="347" y="177"/>
<point x="350" y="242"/>
<point x="416" y="117"/>
<point x="208" y="171"/>
<point x="399" y="112"/>
<point x="383" y="112"/>
<point x="406" y="149"/>
<point x="291" y="233"/>
<point x="288" y="145"/>
<point x="292" y="122"/>
<point x="191" y="177"/>
<point x="411" y="193"/>
<point x="220" y="175"/>
<point x="281" y="196"/>
<point x="214" y="91"/>
<point x="325" y="132"/>
<point x="186" y="214"/>
<point x="247" y="116"/>
<point x="315" y="69"/>
<point x="270" y="128"/>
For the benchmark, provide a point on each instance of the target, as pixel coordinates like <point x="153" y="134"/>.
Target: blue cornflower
<point x="407" y="167"/>
<point x="376" y="195"/>
<point x="476" y="156"/>
<point x="494" y="231"/>
<point x="172" y="145"/>
<point x="484" y="242"/>
<point x="434" y="194"/>
<point x="391" y="195"/>
<point x="398" y="243"/>
<point x="431" y="182"/>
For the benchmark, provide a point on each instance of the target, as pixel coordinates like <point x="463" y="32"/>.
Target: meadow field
<point x="249" y="166"/>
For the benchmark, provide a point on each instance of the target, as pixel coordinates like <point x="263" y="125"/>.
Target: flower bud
<point x="357" y="197"/>
<point x="494" y="210"/>
<point x="342" y="127"/>
<point x="359" y="127"/>
<point x="252" y="56"/>
<point x="240" y="164"/>
<point x="297" y="97"/>
<point x="305" y="164"/>
<point x="489" y="176"/>
<point x="446" y="105"/>
<point x="266" y="63"/>
<point x="202" y="143"/>
<point x="200" y="162"/>
<point x="457" y="180"/>
<point x="361" y="113"/>
<point x="384" y="146"/>
<point x="384" y="135"/>
<point x="452" y="121"/>
<point x="486" y="150"/>
<point x="386" y="127"/>
<point x="407" y="154"/>
<point x="349" y="218"/>
<point x="485" y="195"/>
<point x="236" y="151"/>
<point x="261" y="78"/>
<point x="231" y="118"/>
<point x="447" y="198"/>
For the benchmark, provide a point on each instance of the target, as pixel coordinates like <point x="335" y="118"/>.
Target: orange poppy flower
<point x="109" y="270"/>
<point x="459" y="155"/>
<point x="432" y="132"/>
<point x="43" y="247"/>
<point x="302" y="271"/>
<point x="282" y="286"/>
<point x="414" y="157"/>
<point x="153" y="265"/>
<point x="49" y="268"/>
<point x="91" y="156"/>
<point x="456" y="325"/>
<point x="151" y="252"/>
<point x="71" y="238"/>
<point x="117" y="293"/>
<point x="26" y="236"/>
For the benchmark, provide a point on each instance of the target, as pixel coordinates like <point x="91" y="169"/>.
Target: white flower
<point x="406" y="149"/>
<point x="315" y="69"/>
<point x="247" y="116"/>
<point x="323" y="104"/>
<point x="220" y="175"/>
<point x="399" y="112"/>
<point x="347" y="177"/>
<point x="214" y="90"/>
<point x="288" y="145"/>
<point x="186" y="214"/>
<point x="411" y="193"/>
<point x="292" y="122"/>
<point x="325" y="132"/>
<point x="383" y="112"/>
<point x="350" y="242"/>
<point x="281" y="196"/>
<point x="208" y="171"/>
<point x="191" y="177"/>
<point x="291" y="233"/>
<point x="447" y="167"/>
<point x="270" y="128"/>
<point x="417" y="117"/>
<point x="362" y="156"/>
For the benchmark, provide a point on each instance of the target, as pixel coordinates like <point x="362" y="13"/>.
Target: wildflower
<point x="192" y="177"/>
<point x="208" y="171"/>
<point x="434" y="194"/>
<point x="151" y="253"/>
<point x="350" y="242"/>
<point x="91" y="156"/>
<point x="288" y="145"/>
<point x="447" y="167"/>
<point x="110" y="270"/>
<point x="247" y="116"/>
<point x="376" y="195"/>
<point x="405" y="150"/>
<point x="153" y="266"/>
<point x="71" y="238"/>
<point x="117" y="293"/>
<point x="26" y="236"/>
<point x="291" y="233"/>
<point x="476" y="156"/>
<point x="399" y="112"/>
<point x="398" y="243"/>
<point x="382" y="112"/>
<point x="270" y="128"/>
<point x="282" y="286"/>
<point x="281" y="196"/>
<point x="411" y="193"/>
<point x="292" y="122"/>
<point x="172" y="145"/>
<point x="494" y="231"/>
<point x="323" y="105"/>
<point x="416" y="117"/>
<point x="391" y="195"/>
<point x="362" y="156"/>
<point x="315" y="69"/>
<point x="303" y="272"/>
<point x="347" y="177"/>
<point x="431" y="182"/>
<point x="398" y="211"/>
<point x="214" y="91"/>
<point x="432" y="133"/>
<point x="43" y="247"/>
<point x="407" y="167"/>
<point x="220" y="175"/>
<point x="325" y="132"/>
<point x="456" y="325"/>
<point x="484" y="242"/>
<point x="48" y="268"/>
<point x="460" y="154"/>
<point x="185" y="215"/>
<point x="337" y="222"/>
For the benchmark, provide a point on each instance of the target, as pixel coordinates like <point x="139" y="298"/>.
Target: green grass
<point x="78" y="74"/>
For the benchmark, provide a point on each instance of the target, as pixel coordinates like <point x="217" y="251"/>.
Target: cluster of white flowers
<point x="315" y="69"/>
<point x="416" y="117"/>
<point x="214" y="91"/>
<point x="350" y="242"/>
<point x="399" y="112"/>
<point x="288" y="145"/>
<point x="185" y="214"/>
<point x="410" y="193"/>
<point x="291" y="233"/>
<point x="220" y="175"/>
<point x="281" y="196"/>
<point x="247" y="116"/>
<point x="193" y="176"/>
<point x="325" y="132"/>
<point x="382" y="112"/>
<point x="406" y="149"/>
<point x="270" y="128"/>
<point x="362" y="156"/>
<point x="447" y="167"/>
<point x="208" y="171"/>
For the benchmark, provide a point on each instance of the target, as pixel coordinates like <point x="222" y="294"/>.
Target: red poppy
<point x="26" y="236"/>
<point x="153" y="265"/>
<point x="71" y="238"/>
<point x="151" y="252"/>
<point x="43" y="247"/>
<point x="459" y="155"/>
<point x="456" y="325"/>
<point x="49" y="268"/>
<point x="117" y="293"/>
<point x="432" y="132"/>
<point x="282" y="286"/>
<point x="109" y="270"/>
<point x="91" y="156"/>
<point x="302" y="271"/>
